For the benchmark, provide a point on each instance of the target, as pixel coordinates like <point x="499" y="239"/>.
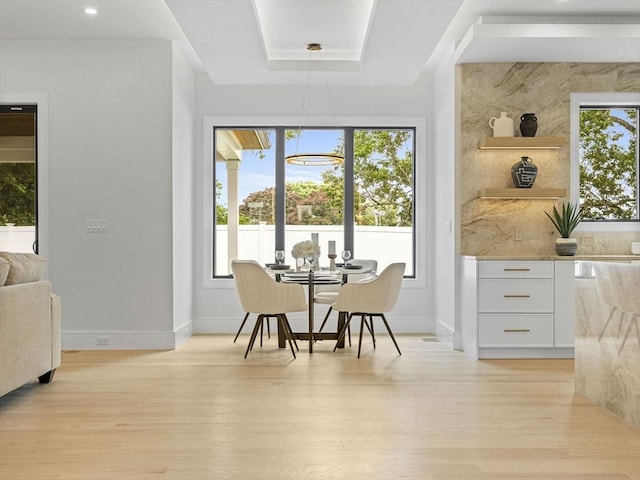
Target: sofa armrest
<point x="56" y="320"/>
<point x="27" y="334"/>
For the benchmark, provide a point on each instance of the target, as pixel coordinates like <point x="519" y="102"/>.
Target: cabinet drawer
<point x="515" y="269"/>
<point x="517" y="296"/>
<point x="515" y="331"/>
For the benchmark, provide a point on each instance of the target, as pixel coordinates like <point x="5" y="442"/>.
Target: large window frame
<point x="605" y="100"/>
<point x="420" y="183"/>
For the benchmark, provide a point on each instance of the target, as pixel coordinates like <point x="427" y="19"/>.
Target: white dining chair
<point x="262" y="295"/>
<point x="327" y="294"/>
<point x="370" y="299"/>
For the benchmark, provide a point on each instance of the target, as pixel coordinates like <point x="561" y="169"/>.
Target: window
<point x="609" y="162"/>
<point x="262" y="203"/>
<point x="605" y="166"/>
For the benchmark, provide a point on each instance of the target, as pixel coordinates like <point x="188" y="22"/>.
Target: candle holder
<point x="332" y="262"/>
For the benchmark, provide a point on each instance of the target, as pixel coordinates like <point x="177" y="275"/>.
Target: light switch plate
<point x="96" y="225"/>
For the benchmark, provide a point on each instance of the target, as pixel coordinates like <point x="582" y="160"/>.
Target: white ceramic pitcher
<point x="503" y="126"/>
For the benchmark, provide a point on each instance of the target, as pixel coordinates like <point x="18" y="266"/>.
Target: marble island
<point x="607" y="335"/>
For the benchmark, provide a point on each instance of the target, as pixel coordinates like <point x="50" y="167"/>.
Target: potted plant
<point x="565" y="221"/>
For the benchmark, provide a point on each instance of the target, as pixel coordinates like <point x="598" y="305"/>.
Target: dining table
<point x="311" y="279"/>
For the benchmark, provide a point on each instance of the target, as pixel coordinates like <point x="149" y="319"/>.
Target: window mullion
<point x="349" y="224"/>
<point x="279" y="213"/>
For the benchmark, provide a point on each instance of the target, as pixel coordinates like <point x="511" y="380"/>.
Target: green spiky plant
<point x="565" y="220"/>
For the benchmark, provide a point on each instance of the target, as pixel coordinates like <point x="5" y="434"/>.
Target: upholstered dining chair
<point x="262" y="295"/>
<point x="327" y="294"/>
<point x="370" y="299"/>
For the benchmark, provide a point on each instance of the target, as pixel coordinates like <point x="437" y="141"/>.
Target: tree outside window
<point x="609" y="163"/>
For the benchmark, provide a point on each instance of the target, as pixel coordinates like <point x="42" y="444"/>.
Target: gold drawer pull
<point x="517" y="296"/>
<point x="517" y="269"/>
<point x="517" y="330"/>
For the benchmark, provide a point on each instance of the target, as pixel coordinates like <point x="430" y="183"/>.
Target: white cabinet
<point x="517" y="308"/>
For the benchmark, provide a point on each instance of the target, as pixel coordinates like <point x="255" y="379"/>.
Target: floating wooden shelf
<point x="523" y="193"/>
<point x="521" y="143"/>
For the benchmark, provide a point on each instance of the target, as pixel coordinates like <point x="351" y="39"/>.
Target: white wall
<point x="109" y="156"/>
<point x="183" y="161"/>
<point x="216" y="309"/>
<point x="444" y="125"/>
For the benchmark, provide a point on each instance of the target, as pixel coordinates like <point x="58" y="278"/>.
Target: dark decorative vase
<point x="528" y="124"/>
<point x="524" y="173"/>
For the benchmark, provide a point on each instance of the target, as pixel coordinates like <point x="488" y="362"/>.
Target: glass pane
<point x="383" y="190"/>
<point x="609" y="163"/>
<point x="17" y="181"/>
<point x="244" y="197"/>
<point x="314" y="192"/>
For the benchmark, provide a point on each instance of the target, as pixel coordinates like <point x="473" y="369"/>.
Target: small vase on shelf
<point x="502" y="126"/>
<point x="528" y="124"/>
<point x="524" y="173"/>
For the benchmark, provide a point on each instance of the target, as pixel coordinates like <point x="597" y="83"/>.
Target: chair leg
<point x="286" y="320"/>
<point x="254" y="334"/>
<point x="362" y="322"/>
<point x="326" y="317"/>
<point x="344" y="331"/>
<point x="283" y="325"/>
<point x="268" y="328"/>
<point x="369" y="325"/>
<point x="241" y="325"/>
<point x="390" y="333"/>
<point x="261" y="329"/>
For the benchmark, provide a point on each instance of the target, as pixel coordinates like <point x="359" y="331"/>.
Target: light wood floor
<point x="203" y="412"/>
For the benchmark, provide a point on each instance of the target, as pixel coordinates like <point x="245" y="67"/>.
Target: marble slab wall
<point x="607" y="343"/>
<point x="490" y="227"/>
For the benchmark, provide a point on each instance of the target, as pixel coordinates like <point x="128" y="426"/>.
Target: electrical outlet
<point x="102" y="341"/>
<point x="518" y="234"/>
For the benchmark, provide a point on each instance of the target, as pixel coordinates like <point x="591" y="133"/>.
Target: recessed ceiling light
<point x="90" y="11"/>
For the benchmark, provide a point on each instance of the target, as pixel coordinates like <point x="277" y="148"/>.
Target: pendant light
<point x="314" y="159"/>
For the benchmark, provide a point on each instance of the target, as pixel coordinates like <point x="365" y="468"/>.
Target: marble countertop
<point x="601" y="258"/>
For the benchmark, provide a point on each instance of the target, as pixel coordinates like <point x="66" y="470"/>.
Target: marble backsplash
<point x="520" y="227"/>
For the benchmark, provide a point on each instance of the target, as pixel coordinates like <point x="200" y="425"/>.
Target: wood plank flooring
<point x="203" y="412"/>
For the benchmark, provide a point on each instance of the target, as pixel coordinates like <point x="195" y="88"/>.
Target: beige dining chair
<point x="262" y="295"/>
<point x="327" y="294"/>
<point x="370" y="299"/>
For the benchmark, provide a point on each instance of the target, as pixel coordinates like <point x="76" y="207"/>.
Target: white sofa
<point x="29" y="322"/>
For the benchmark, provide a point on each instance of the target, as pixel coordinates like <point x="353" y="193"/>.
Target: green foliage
<point x="608" y="168"/>
<point x="383" y="177"/>
<point x="565" y="220"/>
<point x="383" y="189"/>
<point x="17" y="193"/>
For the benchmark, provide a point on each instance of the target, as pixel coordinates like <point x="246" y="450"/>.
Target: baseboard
<point x="445" y="334"/>
<point x="504" y="353"/>
<point x="125" y="340"/>
<point x="408" y="325"/>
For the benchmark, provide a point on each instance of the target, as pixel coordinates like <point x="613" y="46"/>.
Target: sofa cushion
<point x="4" y="270"/>
<point x="23" y="267"/>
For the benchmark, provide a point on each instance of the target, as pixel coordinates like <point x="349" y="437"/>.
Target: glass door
<point x="18" y="178"/>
